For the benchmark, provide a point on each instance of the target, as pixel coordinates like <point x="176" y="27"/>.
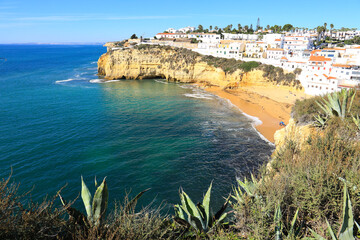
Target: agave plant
<point x="338" y="103"/>
<point x="199" y="216"/>
<point x="293" y="232"/>
<point x="357" y="121"/>
<point x="95" y="211"/>
<point x="320" y="121"/>
<point x="347" y="227"/>
<point x="248" y="187"/>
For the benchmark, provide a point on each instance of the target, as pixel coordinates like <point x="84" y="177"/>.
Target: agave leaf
<point x="179" y="212"/>
<point x="222" y="209"/>
<point x="347" y="227"/>
<point x="131" y="205"/>
<point x="95" y="182"/>
<point x="194" y="212"/>
<point x="201" y="211"/>
<point x="221" y="219"/>
<point x="291" y="232"/>
<point x="317" y="236"/>
<point x="277" y="220"/>
<point x="332" y="234"/>
<point x="181" y="221"/>
<point x="206" y="205"/>
<point x="352" y="94"/>
<point x="86" y="197"/>
<point x="195" y="222"/>
<point x="344" y="102"/>
<point x="324" y="107"/>
<point x="100" y="202"/>
<point x="75" y="214"/>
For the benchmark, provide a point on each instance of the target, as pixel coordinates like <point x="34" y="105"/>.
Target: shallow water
<point x="59" y="121"/>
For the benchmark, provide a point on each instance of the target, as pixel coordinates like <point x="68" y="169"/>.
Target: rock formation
<point x="172" y="64"/>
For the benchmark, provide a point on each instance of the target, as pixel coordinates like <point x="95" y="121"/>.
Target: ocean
<point x="59" y="121"/>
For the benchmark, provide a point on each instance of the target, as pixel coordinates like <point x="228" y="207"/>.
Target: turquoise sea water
<point x="57" y="122"/>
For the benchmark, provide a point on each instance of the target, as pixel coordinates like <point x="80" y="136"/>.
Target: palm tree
<point x="267" y="27"/>
<point x="216" y="28"/>
<point x="331" y="26"/>
<point x="239" y="27"/>
<point x="246" y="28"/>
<point x="210" y="28"/>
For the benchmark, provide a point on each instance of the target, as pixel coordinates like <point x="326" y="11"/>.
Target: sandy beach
<point x="270" y="104"/>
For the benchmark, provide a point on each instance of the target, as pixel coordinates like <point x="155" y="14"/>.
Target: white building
<point x="275" y="53"/>
<point x="297" y="43"/>
<point x="186" y="29"/>
<point x="240" y="36"/>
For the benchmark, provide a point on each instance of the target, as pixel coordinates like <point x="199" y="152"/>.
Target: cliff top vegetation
<point x="273" y="74"/>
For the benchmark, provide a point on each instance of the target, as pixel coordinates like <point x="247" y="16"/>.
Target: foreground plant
<point x="97" y="210"/>
<point x="356" y="120"/>
<point x="199" y="216"/>
<point x="338" y="103"/>
<point x="293" y="232"/>
<point x="248" y="187"/>
<point x="347" y="227"/>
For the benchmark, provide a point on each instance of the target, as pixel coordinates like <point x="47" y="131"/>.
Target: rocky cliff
<point x="172" y="64"/>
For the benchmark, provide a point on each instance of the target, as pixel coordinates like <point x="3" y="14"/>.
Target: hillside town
<point x="329" y="59"/>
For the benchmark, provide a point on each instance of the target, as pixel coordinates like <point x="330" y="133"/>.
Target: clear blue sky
<point x="51" y="21"/>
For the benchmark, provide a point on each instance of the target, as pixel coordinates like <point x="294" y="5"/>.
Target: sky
<point x="89" y="21"/>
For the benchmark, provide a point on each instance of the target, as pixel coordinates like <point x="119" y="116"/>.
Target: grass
<point x="307" y="179"/>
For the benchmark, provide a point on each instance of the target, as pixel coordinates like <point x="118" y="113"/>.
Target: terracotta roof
<point x="319" y="59"/>
<point x="284" y="58"/>
<point x="333" y="49"/>
<point x="278" y="40"/>
<point x="357" y="47"/>
<point x="315" y="51"/>
<point x="275" y="49"/>
<point x="341" y="65"/>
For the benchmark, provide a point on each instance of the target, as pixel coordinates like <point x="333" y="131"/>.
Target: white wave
<point x="187" y="86"/>
<point x="96" y="81"/>
<point x="103" y="81"/>
<point x="162" y="81"/>
<point x="91" y="68"/>
<point x="255" y="122"/>
<point x="112" y="81"/>
<point x="95" y="62"/>
<point x="198" y="95"/>
<point x="69" y="80"/>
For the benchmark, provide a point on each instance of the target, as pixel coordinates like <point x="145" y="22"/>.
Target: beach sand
<point x="270" y="104"/>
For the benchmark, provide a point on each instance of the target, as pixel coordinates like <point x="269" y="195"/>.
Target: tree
<point x="133" y="36"/>
<point x="331" y="28"/>
<point x="216" y="28"/>
<point x="210" y="27"/>
<point x="287" y="27"/>
<point x="325" y="24"/>
<point x="246" y="27"/>
<point x="239" y="27"/>
<point x="200" y="28"/>
<point x="267" y="27"/>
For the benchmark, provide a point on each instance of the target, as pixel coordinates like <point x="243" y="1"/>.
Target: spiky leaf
<point x="346" y="231"/>
<point x="100" y="202"/>
<point x="86" y="197"/>
<point x="131" y="205"/>
<point x="206" y="205"/>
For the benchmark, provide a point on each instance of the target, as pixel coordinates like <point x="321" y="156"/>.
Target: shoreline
<point x="268" y="104"/>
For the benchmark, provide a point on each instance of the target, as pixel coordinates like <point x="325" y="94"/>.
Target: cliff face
<point x="172" y="65"/>
<point x="293" y="132"/>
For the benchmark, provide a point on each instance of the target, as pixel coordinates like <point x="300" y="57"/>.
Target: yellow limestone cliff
<point x="171" y="64"/>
